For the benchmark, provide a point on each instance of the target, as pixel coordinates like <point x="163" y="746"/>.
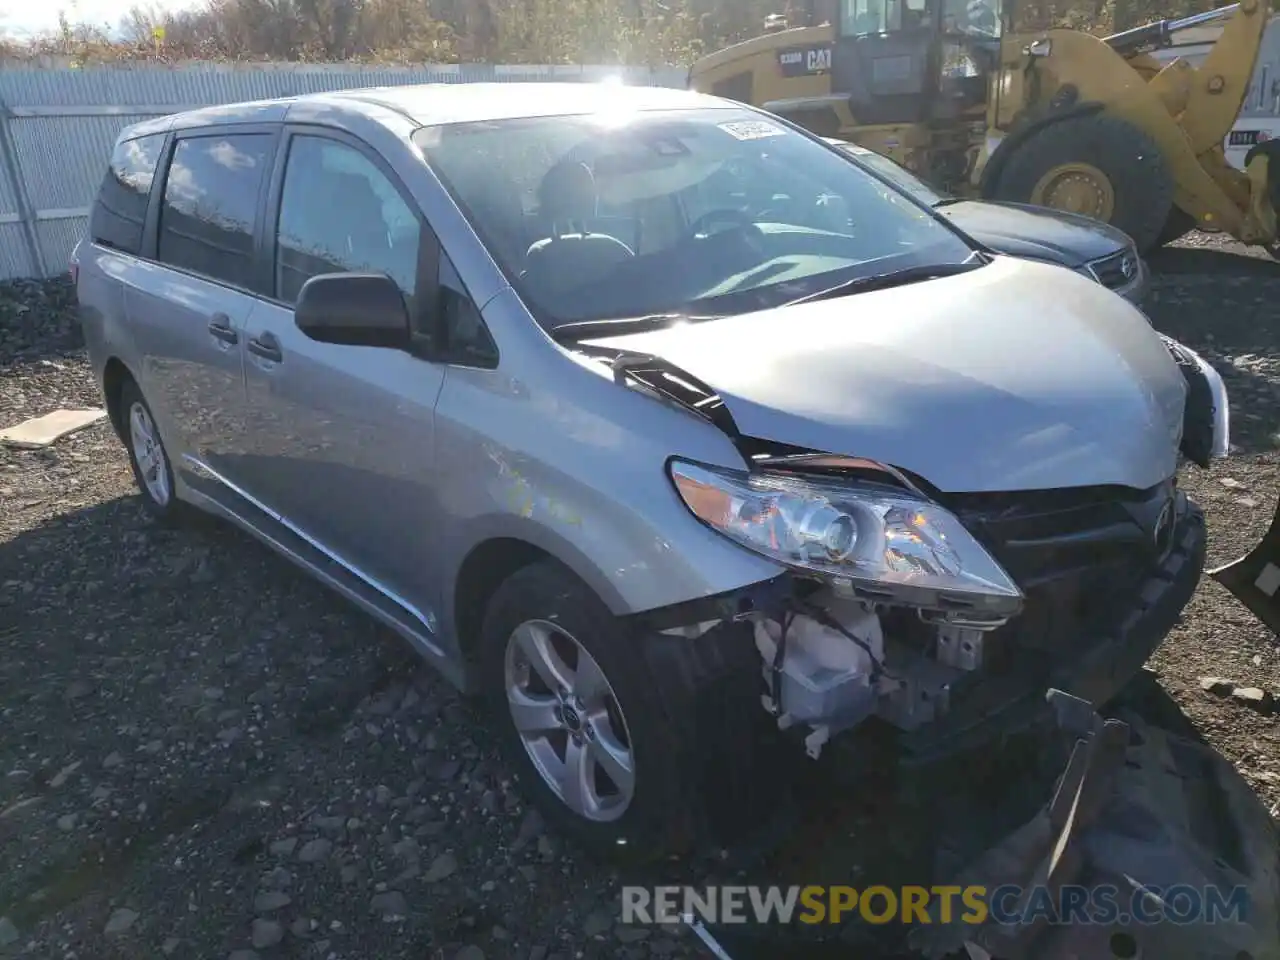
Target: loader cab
<point x="884" y="62"/>
<point x="911" y="61"/>
<point x="883" y="57"/>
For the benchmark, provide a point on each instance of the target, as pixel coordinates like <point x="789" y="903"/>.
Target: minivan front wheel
<point x="594" y="735"/>
<point x="569" y="721"/>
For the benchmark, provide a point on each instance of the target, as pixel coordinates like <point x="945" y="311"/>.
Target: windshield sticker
<point x="751" y="129"/>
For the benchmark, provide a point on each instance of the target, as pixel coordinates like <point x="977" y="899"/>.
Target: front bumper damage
<point x="1099" y="598"/>
<point x="1139" y="812"/>
<point x="940" y="711"/>
<point x="1136" y="809"/>
<point x="1094" y="670"/>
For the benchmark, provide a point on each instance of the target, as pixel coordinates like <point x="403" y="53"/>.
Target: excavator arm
<point x="1210" y="97"/>
<point x="1178" y="109"/>
<point x="1217" y="90"/>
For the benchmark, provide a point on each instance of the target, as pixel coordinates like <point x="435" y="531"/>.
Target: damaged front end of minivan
<point x="968" y="614"/>
<point x="945" y="616"/>
<point x="946" y="619"/>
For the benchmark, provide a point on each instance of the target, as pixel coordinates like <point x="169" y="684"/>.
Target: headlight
<point x="877" y="538"/>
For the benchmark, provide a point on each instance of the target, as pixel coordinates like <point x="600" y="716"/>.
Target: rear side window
<point x="210" y="205"/>
<point x="120" y="209"/>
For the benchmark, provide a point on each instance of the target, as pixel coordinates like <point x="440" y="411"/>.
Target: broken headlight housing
<point x="879" y="541"/>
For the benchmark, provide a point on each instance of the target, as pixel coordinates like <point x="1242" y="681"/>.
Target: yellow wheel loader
<point x="1058" y="118"/>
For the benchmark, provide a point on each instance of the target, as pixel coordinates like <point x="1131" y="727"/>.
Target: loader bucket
<point x="1254" y="579"/>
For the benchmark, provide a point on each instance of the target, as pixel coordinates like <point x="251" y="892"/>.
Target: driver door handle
<point x="267" y="347"/>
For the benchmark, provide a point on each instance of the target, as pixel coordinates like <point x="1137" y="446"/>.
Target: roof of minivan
<point x="434" y="103"/>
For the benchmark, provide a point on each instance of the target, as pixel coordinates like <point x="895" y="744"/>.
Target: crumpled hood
<point x="1014" y="376"/>
<point x="1026" y="231"/>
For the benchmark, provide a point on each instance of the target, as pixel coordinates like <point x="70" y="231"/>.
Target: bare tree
<point x="512" y="31"/>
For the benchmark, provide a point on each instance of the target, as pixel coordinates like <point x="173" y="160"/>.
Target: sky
<point x="25" y="17"/>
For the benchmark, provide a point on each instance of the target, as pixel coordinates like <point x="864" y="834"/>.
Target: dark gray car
<point x="1096" y="249"/>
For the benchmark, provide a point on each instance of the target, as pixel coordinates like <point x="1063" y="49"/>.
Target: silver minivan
<point x="683" y="442"/>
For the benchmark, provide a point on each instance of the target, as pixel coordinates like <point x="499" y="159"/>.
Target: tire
<point x="1178" y="224"/>
<point x="1130" y="159"/>
<point x="681" y="708"/>
<point x="152" y="469"/>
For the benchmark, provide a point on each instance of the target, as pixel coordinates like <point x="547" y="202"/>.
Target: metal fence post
<point x="26" y="214"/>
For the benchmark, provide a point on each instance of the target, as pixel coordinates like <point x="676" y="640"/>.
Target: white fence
<point x="57" y="127"/>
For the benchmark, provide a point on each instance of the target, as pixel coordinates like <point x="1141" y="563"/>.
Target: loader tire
<point x="1140" y="184"/>
<point x="1178" y="224"/>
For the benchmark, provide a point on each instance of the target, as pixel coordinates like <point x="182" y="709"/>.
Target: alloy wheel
<point x="569" y="720"/>
<point x="148" y="454"/>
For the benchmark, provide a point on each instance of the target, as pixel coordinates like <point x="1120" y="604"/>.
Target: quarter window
<point x="210" y="205"/>
<point x="121" y="206"/>
<point x="467" y="338"/>
<point x="339" y="213"/>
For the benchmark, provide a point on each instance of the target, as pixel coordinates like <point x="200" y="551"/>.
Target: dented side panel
<point x="549" y="451"/>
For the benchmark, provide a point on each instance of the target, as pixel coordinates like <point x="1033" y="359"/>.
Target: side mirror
<point x="356" y="309"/>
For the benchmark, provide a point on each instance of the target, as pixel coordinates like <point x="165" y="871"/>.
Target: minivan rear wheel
<point x="148" y="457"/>
<point x="635" y="745"/>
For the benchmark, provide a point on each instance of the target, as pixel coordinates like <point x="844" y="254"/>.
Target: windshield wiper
<point x="621" y="326"/>
<point x="897" y="278"/>
<point x="947" y="201"/>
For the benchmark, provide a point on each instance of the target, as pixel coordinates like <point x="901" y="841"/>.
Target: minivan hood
<point x="1013" y="376"/>
<point x="1026" y="231"/>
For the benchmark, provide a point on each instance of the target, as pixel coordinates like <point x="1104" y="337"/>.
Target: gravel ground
<point x="205" y="754"/>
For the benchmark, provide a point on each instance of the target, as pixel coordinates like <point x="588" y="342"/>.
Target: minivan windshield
<point x="678" y="213"/>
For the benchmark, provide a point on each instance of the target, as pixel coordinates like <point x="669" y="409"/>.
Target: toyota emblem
<point x="1128" y="267"/>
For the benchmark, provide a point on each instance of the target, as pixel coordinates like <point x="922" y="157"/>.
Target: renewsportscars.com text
<point x="1004" y="905"/>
